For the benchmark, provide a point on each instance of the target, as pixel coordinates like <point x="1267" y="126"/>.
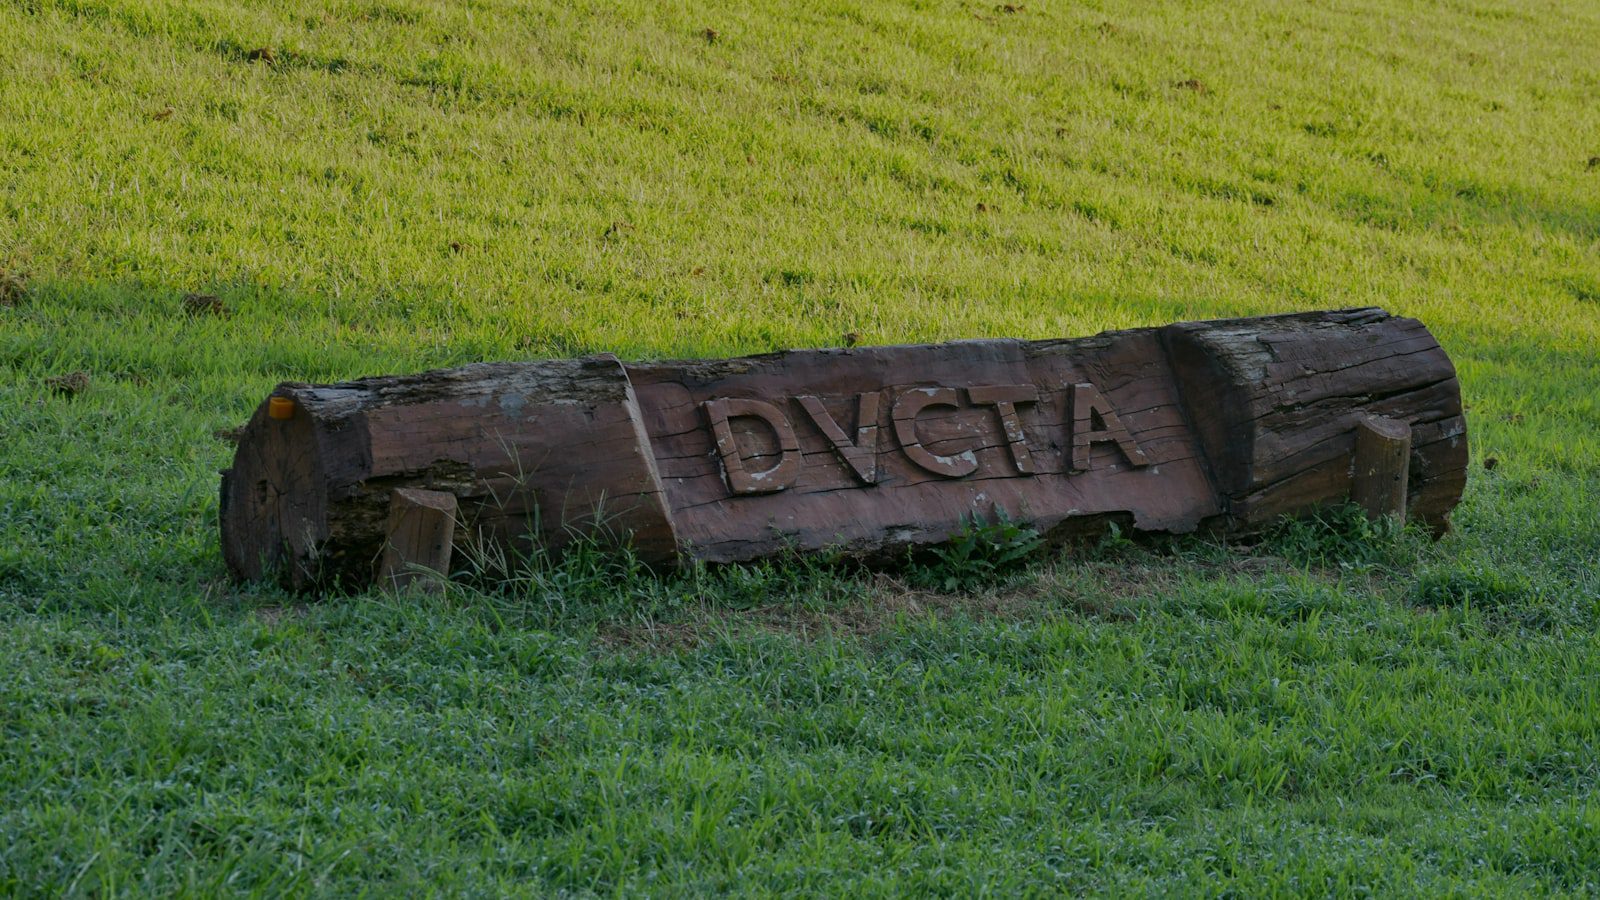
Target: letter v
<point x="861" y="456"/>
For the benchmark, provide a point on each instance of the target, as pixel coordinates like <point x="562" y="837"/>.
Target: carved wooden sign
<point x="865" y="451"/>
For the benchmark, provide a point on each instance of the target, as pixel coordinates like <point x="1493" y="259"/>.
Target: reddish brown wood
<point x="864" y="451"/>
<point x="938" y="451"/>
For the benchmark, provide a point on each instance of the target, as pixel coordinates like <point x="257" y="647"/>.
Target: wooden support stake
<point x="422" y="527"/>
<point x="1382" y="461"/>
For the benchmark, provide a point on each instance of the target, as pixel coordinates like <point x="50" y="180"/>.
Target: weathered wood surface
<point x="530" y="451"/>
<point x="937" y="442"/>
<point x="1275" y="401"/>
<point x="867" y="451"/>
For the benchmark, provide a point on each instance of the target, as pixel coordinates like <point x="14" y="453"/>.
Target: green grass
<point x="407" y="185"/>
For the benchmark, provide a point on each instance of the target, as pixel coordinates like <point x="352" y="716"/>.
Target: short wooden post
<point x="1382" y="462"/>
<point x="422" y="527"/>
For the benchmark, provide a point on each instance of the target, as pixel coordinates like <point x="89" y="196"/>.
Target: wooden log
<point x="1274" y="402"/>
<point x="534" y="453"/>
<point x="420" y="540"/>
<point x="866" y="451"/>
<point x="1381" y="464"/>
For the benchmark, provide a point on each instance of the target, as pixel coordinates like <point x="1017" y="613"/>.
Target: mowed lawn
<point x="380" y="186"/>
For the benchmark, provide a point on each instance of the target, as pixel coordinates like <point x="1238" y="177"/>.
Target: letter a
<point x="741" y="481"/>
<point x="1089" y="408"/>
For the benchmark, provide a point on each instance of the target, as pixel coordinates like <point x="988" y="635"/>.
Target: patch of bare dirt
<point x="13" y="290"/>
<point x="69" y="385"/>
<point x="1101" y="592"/>
<point x="196" y="305"/>
<point x="272" y="615"/>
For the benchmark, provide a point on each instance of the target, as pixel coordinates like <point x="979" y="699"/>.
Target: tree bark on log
<point x="862" y="451"/>
<point x="1275" y="401"/>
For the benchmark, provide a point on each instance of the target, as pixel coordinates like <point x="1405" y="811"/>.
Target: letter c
<point x="906" y="408"/>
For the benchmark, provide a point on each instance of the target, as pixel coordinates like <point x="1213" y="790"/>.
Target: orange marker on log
<point x="280" y="407"/>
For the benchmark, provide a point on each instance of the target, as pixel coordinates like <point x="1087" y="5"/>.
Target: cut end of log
<point x="274" y="498"/>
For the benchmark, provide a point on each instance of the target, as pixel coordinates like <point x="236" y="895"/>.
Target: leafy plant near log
<point x="979" y="554"/>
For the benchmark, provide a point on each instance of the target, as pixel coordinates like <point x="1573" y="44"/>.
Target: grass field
<point x="380" y="186"/>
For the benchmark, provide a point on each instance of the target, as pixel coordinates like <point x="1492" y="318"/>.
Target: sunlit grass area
<point x="391" y="186"/>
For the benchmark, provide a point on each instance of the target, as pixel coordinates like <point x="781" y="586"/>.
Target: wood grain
<point x="420" y="537"/>
<point x="1380" y="466"/>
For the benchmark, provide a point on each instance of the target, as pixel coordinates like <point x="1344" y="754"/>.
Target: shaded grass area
<point x="1335" y="711"/>
<point x="390" y="186"/>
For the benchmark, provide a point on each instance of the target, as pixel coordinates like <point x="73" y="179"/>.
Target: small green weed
<point x="978" y="555"/>
<point x="1112" y="542"/>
